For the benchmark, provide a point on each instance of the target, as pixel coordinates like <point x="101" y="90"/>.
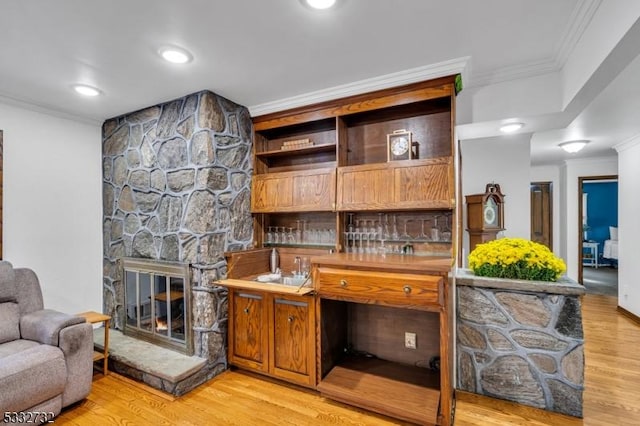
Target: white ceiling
<point x="266" y="53"/>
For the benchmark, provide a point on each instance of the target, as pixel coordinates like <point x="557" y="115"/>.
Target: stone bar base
<point x="521" y="341"/>
<point x="160" y="368"/>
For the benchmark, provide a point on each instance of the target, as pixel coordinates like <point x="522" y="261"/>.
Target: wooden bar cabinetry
<point x="379" y="233"/>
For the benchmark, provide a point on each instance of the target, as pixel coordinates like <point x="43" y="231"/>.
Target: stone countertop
<point x="564" y="285"/>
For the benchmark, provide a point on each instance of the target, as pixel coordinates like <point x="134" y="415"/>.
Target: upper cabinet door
<point x="398" y="185"/>
<point x="428" y="185"/>
<point x="365" y="187"/>
<point x="311" y="190"/>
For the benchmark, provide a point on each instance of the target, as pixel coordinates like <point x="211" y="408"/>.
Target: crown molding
<point x="412" y="75"/>
<point x="48" y="110"/>
<point x="591" y="160"/>
<point x="628" y="144"/>
<point x="514" y="72"/>
<point x="579" y="20"/>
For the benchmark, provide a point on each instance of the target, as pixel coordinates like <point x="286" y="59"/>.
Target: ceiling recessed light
<point x="320" y="4"/>
<point x="511" y="127"/>
<point x="175" y="55"/>
<point x="573" y="146"/>
<point x="85" y="90"/>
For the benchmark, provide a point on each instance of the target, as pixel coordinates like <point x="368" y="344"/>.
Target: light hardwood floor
<point x="612" y="395"/>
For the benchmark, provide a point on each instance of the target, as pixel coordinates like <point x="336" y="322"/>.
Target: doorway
<point x="598" y="222"/>
<point x="542" y="213"/>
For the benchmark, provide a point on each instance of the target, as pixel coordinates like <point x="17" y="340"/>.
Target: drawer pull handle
<point x="343" y="283"/>
<point x="290" y="319"/>
<point x="407" y="289"/>
<point x="246" y="310"/>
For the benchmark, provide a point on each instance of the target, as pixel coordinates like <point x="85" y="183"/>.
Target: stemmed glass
<point x="446" y="233"/>
<point x="394" y="230"/>
<point x="422" y="235"/>
<point x="405" y="235"/>
<point x="435" y="231"/>
<point x="373" y="230"/>
<point x="270" y="235"/>
<point x="298" y="233"/>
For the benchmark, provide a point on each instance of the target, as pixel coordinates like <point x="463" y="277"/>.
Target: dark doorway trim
<point x="582" y="180"/>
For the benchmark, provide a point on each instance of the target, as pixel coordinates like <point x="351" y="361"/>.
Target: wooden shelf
<point x="97" y="356"/>
<point x="402" y="391"/>
<point x="173" y="295"/>
<point x="288" y="152"/>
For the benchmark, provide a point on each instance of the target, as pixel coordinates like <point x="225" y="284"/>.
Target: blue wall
<point x="602" y="210"/>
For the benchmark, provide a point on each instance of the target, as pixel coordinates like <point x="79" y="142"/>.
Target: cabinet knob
<point x="407" y="289"/>
<point x="343" y="283"/>
<point x="246" y="310"/>
<point x="290" y="319"/>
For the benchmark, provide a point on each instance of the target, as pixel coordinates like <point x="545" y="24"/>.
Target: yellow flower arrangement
<point x="516" y="258"/>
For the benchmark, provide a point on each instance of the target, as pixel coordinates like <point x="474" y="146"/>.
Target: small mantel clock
<point x="485" y="215"/>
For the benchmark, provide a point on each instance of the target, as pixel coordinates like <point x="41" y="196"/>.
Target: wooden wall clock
<point x="485" y="215"/>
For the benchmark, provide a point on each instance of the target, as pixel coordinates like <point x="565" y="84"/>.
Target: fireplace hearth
<point x="158" y="303"/>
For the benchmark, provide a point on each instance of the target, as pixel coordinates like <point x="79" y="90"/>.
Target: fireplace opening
<point x="157" y="303"/>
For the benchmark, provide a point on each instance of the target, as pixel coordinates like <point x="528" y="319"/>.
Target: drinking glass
<point x="423" y="236"/>
<point x="305" y="266"/>
<point x="405" y="235"/>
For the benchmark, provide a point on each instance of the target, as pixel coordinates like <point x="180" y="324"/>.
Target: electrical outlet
<point x="409" y="340"/>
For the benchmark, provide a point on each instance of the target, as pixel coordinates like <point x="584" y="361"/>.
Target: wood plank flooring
<point x="612" y="395"/>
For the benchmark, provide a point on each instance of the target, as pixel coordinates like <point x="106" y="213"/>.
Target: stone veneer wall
<point x="176" y="187"/>
<point x="519" y="345"/>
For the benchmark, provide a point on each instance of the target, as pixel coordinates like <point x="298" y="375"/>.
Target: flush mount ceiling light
<point x="511" y="127"/>
<point x="319" y="4"/>
<point x="175" y="55"/>
<point x="573" y="146"/>
<point x="86" y="90"/>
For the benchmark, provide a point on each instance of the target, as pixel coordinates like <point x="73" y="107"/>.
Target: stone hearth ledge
<point x="564" y="285"/>
<point x="158" y="367"/>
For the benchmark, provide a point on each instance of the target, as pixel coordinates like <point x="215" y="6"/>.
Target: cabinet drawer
<point x="380" y="287"/>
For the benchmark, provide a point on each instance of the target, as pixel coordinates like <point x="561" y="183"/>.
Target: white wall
<point x="506" y="161"/>
<point x="53" y="205"/>
<point x="628" y="225"/>
<point x="572" y="170"/>
<point x="551" y="173"/>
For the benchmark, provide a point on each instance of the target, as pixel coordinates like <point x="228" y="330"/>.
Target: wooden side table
<point x="95" y="317"/>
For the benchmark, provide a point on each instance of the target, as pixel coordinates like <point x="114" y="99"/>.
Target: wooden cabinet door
<point x="365" y="187"/>
<point x="397" y="185"/>
<point x="248" y="336"/>
<point x="272" y="192"/>
<point x="293" y="339"/>
<point x="308" y="190"/>
<point x="422" y="186"/>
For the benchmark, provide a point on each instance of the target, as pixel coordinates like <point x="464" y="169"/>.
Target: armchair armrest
<point x="44" y="326"/>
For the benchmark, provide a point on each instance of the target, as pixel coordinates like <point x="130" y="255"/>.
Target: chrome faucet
<point x="298" y="261"/>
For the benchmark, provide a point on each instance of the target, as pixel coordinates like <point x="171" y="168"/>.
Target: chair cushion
<point x="15" y="346"/>
<point x="30" y="377"/>
<point x="9" y="322"/>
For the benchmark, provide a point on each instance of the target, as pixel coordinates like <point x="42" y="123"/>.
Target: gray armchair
<point x="46" y="357"/>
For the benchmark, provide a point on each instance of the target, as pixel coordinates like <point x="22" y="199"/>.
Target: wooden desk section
<point x="365" y="305"/>
<point x="94" y="318"/>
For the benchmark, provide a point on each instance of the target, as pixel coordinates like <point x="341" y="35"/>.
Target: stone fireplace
<point x="176" y="188"/>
